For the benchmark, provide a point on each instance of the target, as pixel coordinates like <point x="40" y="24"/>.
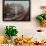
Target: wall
<point x="25" y="28"/>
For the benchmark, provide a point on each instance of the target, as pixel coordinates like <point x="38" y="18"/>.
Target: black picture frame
<point x="29" y="11"/>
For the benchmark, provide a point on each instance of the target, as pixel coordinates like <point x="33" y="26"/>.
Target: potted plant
<point x="42" y="17"/>
<point x="10" y="31"/>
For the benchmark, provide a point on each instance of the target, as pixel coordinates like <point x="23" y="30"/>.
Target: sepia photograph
<point x="16" y="11"/>
<point x="16" y="0"/>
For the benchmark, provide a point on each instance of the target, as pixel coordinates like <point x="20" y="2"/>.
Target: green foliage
<point x="11" y="31"/>
<point x="41" y="17"/>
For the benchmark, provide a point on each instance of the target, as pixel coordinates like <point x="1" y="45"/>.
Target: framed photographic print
<point x="16" y="10"/>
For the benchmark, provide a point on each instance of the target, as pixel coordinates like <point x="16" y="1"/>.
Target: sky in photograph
<point x="24" y="3"/>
